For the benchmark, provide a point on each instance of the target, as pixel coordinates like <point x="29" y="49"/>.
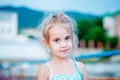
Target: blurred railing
<point x="18" y="78"/>
<point x="7" y="74"/>
<point x="98" y="55"/>
<point x="22" y="77"/>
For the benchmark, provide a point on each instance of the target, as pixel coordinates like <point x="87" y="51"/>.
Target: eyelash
<point x="56" y="40"/>
<point x="66" y="38"/>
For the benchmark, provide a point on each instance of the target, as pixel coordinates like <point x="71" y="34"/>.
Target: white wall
<point x="109" y="25"/>
<point x="8" y="25"/>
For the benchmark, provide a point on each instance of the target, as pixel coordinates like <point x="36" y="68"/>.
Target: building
<point x="117" y="25"/>
<point x="108" y="24"/>
<point x="8" y="25"/>
<point x="111" y="24"/>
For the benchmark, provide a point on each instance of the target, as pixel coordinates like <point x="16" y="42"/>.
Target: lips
<point x="64" y="51"/>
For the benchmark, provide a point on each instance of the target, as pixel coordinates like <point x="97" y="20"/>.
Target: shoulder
<point x="43" y="68"/>
<point x="43" y="73"/>
<point x="83" y="70"/>
<point x="81" y="65"/>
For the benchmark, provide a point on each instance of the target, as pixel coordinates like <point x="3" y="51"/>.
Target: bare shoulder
<point x="43" y="73"/>
<point x="83" y="70"/>
<point x="81" y="65"/>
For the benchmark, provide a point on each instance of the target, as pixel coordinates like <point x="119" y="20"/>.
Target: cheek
<point x="53" y="46"/>
<point x="71" y="44"/>
<point x="54" y="49"/>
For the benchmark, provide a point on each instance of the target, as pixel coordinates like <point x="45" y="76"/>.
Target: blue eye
<point x="67" y="38"/>
<point x="57" y="40"/>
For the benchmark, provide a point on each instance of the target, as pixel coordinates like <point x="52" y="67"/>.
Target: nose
<point x="63" y="44"/>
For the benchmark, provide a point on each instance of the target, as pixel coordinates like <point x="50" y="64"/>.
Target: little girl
<point x="59" y="38"/>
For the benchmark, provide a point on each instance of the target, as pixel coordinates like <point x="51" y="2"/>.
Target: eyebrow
<point x="60" y="36"/>
<point x="68" y="35"/>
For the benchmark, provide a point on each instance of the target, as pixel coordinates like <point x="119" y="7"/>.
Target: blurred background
<point x="98" y="23"/>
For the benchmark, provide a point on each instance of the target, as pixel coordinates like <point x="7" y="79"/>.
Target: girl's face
<point x="60" y="41"/>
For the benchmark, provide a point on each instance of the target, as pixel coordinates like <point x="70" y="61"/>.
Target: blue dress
<point x="73" y="76"/>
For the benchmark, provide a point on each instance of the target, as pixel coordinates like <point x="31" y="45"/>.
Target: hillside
<point x="28" y="18"/>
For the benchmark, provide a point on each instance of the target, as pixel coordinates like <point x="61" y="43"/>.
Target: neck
<point x="57" y="60"/>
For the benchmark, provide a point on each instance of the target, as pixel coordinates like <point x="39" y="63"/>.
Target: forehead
<point x="59" y="31"/>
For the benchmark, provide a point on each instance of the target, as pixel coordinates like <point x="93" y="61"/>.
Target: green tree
<point x="114" y="40"/>
<point x="96" y="34"/>
<point x="91" y="30"/>
<point x="83" y="27"/>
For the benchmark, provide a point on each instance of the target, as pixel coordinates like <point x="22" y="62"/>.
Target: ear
<point x="46" y="43"/>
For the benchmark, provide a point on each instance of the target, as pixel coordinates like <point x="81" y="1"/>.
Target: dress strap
<point x="77" y="68"/>
<point x="51" y="71"/>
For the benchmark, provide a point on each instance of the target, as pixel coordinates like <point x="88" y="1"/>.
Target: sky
<point x="97" y="7"/>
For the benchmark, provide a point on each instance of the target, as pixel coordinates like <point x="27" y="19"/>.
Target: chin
<point x="65" y="55"/>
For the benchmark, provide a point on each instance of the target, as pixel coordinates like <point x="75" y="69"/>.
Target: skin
<point x="60" y="44"/>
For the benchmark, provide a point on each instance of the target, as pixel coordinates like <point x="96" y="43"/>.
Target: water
<point x="14" y="55"/>
<point x="93" y="69"/>
<point x="31" y="50"/>
<point x="104" y="69"/>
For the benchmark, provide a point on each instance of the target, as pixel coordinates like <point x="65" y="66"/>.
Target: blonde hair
<point x="59" y="18"/>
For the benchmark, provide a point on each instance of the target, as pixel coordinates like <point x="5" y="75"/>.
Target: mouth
<point x="64" y="51"/>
